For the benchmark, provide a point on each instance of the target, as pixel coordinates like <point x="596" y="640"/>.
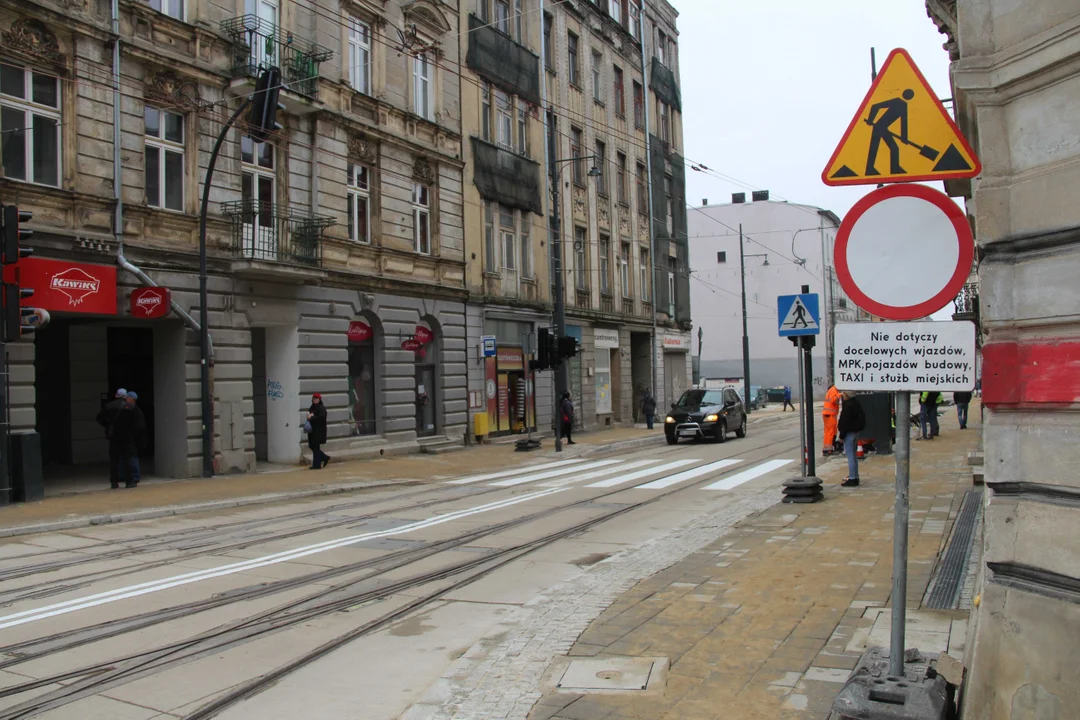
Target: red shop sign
<point x="150" y="302"/>
<point x="359" y="331"/>
<point x="411" y="345"/>
<point x="61" y="286"/>
<point x="423" y="335"/>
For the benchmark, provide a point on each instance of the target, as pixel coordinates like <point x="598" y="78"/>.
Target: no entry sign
<point x="904" y="252"/>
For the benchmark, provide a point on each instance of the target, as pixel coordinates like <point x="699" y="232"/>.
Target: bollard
<point x="803" y="490"/>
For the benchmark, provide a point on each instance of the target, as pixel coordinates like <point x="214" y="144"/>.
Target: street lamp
<point x="745" y="334"/>
<point x="562" y="371"/>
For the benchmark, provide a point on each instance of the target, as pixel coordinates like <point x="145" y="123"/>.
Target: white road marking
<point x="532" y="477"/>
<point x="146" y="588"/>
<point x="688" y="474"/>
<point x="602" y="473"/>
<point x="748" y="475"/>
<point x="620" y="479"/>
<point x="506" y="473"/>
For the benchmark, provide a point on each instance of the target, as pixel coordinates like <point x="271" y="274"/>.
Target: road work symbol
<point x="903" y="114"/>
<point x="798" y="315"/>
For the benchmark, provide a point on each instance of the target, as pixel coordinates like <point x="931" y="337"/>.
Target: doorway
<point x="258" y="391"/>
<point x="131" y="366"/>
<point x="425" y="400"/>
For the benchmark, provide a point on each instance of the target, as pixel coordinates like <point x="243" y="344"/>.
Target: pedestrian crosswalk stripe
<point x="621" y="479"/>
<point x="532" y="477"/>
<point x="505" y="473"/>
<point x="748" y="475"/>
<point x="688" y="474"/>
<point x="605" y="471"/>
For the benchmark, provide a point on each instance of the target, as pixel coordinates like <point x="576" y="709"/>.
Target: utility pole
<point x="745" y="335"/>
<point x="562" y="371"/>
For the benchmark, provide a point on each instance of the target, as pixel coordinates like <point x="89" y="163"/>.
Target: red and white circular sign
<point x="904" y="252"/>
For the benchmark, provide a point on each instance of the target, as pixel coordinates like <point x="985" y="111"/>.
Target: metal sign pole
<point x="900" y="533"/>
<point x="802" y="408"/>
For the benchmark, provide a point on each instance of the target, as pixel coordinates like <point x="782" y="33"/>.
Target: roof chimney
<point x="737" y="198"/>
<point x="760" y="195"/>
<point x="704" y="201"/>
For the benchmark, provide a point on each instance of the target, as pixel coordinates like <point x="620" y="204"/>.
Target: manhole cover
<point x="607" y="674"/>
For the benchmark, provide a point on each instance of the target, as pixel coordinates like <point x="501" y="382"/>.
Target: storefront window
<point x="508" y="383"/>
<point x="362" y="378"/>
<point x="603" y="381"/>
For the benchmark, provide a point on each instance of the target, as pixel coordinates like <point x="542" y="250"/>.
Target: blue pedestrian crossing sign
<point x="798" y="315"/>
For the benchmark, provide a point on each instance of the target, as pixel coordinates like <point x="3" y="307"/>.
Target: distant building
<point x="790" y="245"/>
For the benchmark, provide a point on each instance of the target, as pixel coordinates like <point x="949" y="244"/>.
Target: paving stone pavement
<point x="763" y="619"/>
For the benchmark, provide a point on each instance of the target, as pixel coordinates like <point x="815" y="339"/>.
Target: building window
<point x="670" y="221"/>
<point x="661" y="45"/>
<point x="164" y="156"/>
<point x="575" y="153"/>
<point x="507" y="231"/>
<point x="639" y="106"/>
<point x="522" y="129"/>
<point x="616" y="10"/>
<point x="491" y="252"/>
<point x="644" y="272"/>
<point x="172" y="8"/>
<point x="519" y="20"/>
<point x="572" y="56"/>
<point x="359" y="193"/>
<point x="601" y="165"/>
<point x="624" y="269"/>
<point x="553" y="138"/>
<point x="504" y="120"/>
<point x="605" y="265"/>
<point x="620" y="92"/>
<point x="642" y="191"/>
<point x="423" y="96"/>
<point x="597" y="75"/>
<point x="360" y="56"/>
<point x="620" y="179"/>
<point x="549" y="43"/>
<point x="581" y="268"/>
<point x="421" y="200"/>
<point x="30" y="125"/>
<point x="671" y="290"/>
<point x="257" y="188"/>
<point x="635" y="20"/>
<point x="721" y="257"/>
<point x="485" y="111"/>
<point x="502" y="16"/>
<point x="665" y="121"/>
<point x="526" y="248"/>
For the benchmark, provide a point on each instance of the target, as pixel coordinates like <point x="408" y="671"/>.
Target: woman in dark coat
<point x="566" y="409"/>
<point x="317" y="437"/>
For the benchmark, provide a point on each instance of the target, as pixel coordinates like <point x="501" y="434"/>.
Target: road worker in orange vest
<point x="829" y="412"/>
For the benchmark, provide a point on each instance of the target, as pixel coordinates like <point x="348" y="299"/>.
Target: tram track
<point x="347" y="593"/>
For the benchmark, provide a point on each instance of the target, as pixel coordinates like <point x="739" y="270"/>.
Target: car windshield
<point x="693" y="399"/>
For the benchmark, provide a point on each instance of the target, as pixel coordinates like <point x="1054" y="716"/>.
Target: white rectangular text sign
<point x="914" y="356"/>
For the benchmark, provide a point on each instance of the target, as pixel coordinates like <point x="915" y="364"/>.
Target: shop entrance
<point x="425" y="400"/>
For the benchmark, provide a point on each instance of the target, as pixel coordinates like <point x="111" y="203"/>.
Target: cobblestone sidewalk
<point x="767" y="621"/>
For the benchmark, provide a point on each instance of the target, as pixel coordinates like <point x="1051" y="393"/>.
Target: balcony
<point x="966" y="304"/>
<point x="646" y="310"/>
<point x="259" y="43"/>
<point x="607" y="304"/>
<point x="583" y="299"/>
<point x="275" y="242"/>
<point x="628" y="307"/>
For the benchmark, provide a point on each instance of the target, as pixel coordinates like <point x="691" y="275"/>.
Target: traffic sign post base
<point x="803" y="490"/>
<point x="874" y="692"/>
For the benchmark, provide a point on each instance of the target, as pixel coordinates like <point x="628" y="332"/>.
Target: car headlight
<point x="669" y="419"/>
<point x="712" y="418"/>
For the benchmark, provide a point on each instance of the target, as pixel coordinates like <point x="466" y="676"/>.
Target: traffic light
<point x="262" y="120"/>
<point x="17" y="321"/>
<point x="568" y="347"/>
<point x="547" y="351"/>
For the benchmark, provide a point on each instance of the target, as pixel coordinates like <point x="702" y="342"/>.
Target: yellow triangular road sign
<point x="902" y="133"/>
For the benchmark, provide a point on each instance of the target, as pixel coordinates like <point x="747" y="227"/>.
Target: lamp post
<point x="745" y="334"/>
<point x="562" y="371"/>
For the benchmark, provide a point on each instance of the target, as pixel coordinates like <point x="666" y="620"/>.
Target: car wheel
<point x="741" y="432"/>
<point x="721" y="432"/>
<point x="671" y="439"/>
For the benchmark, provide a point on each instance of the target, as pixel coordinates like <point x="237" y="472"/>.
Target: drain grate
<point x="950" y="575"/>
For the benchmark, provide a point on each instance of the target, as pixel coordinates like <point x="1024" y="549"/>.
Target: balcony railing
<point x="646" y="309"/>
<point x="966" y="304"/>
<point x="276" y="234"/>
<point x="628" y="306"/>
<point x="259" y="43"/>
<point x="583" y="299"/>
<point x="607" y="303"/>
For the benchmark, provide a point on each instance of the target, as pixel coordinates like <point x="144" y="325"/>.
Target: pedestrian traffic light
<point x="568" y="347"/>
<point x="17" y="320"/>
<point x="262" y="120"/>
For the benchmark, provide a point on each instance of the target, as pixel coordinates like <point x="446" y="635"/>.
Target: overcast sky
<point x="769" y="87"/>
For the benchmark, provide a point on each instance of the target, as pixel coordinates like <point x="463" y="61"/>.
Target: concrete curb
<point x="170" y="510"/>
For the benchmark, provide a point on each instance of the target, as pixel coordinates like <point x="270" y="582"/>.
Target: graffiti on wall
<point x="274" y="390"/>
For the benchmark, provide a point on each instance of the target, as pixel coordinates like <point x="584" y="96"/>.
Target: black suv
<point x="702" y="413"/>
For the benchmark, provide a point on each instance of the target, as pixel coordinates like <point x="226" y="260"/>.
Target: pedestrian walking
<point x="106" y="419"/>
<point x="648" y="407"/>
<point x="566" y="409"/>
<point x="928" y="419"/>
<point x="830" y="409"/>
<point x="139" y="422"/>
<point x="316" y="430"/>
<point x="787" y="399"/>
<point x="851" y="423"/>
<point x="962" y="400"/>
<point x="123" y="430"/>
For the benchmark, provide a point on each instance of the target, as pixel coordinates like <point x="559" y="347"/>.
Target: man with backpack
<point x="852" y="422"/>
